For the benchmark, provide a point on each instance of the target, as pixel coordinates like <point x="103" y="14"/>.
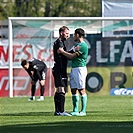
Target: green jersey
<point x="82" y="54"/>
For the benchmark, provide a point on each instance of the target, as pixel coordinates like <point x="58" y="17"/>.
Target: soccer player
<point x="37" y="71"/>
<point x="60" y="72"/>
<point x="78" y="72"/>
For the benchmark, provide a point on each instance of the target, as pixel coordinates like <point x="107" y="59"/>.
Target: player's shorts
<point x="60" y="77"/>
<point x="42" y="73"/>
<point x="78" y="77"/>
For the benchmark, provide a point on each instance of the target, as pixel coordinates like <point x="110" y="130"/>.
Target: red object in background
<point x="4" y="82"/>
<point x="22" y="83"/>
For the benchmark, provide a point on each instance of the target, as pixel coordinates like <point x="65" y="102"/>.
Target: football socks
<point x="75" y="99"/>
<point x="83" y="103"/>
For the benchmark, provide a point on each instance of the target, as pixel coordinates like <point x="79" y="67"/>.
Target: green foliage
<point x="109" y="114"/>
<point x="75" y="8"/>
<point x="50" y="8"/>
<point x="6" y="10"/>
<point x="28" y="8"/>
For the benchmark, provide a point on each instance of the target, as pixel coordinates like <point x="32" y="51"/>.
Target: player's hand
<point x="60" y="50"/>
<point x="77" y="48"/>
<point x="42" y="82"/>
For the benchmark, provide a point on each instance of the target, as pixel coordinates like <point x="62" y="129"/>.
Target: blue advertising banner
<point x="121" y="91"/>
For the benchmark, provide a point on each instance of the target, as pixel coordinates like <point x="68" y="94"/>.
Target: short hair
<point x="63" y="28"/>
<point x="80" y="31"/>
<point x="23" y="63"/>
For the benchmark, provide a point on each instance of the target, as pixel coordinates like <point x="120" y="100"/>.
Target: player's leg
<point x="61" y="103"/>
<point x="75" y="101"/>
<point x="57" y="84"/>
<point x="61" y="100"/>
<point x="56" y="97"/>
<point x="62" y="91"/>
<point x="82" y="91"/>
<point x="33" y="89"/>
<point x="74" y="91"/>
<point x="59" y="97"/>
<point x="83" y="102"/>
<point x="42" y="90"/>
<point x="42" y="85"/>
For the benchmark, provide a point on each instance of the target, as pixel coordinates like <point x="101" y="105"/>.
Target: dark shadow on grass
<point x="45" y="113"/>
<point x="70" y="127"/>
<point x="94" y="113"/>
<point x="29" y="114"/>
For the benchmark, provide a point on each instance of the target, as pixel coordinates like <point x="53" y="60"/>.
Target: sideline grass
<point x="108" y="114"/>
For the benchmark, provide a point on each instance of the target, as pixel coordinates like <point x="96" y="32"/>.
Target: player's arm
<point x="67" y="54"/>
<point x="30" y="74"/>
<point x="60" y="45"/>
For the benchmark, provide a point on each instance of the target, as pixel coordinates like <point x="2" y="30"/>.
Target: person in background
<point x="37" y="71"/>
<point x="78" y="72"/>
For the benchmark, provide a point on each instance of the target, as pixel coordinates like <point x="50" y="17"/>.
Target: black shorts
<point x="60" y="77"/>
<point x="42" y="73"/>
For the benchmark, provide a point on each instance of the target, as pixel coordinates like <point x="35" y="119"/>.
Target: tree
<point x="26" y="8"/>
<point x="76" y="8"/>
<point x="6" y="10"/>
<point x="51" y="8"/>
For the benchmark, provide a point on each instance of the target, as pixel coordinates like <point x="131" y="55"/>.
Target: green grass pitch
<point x="105" y="114"/>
